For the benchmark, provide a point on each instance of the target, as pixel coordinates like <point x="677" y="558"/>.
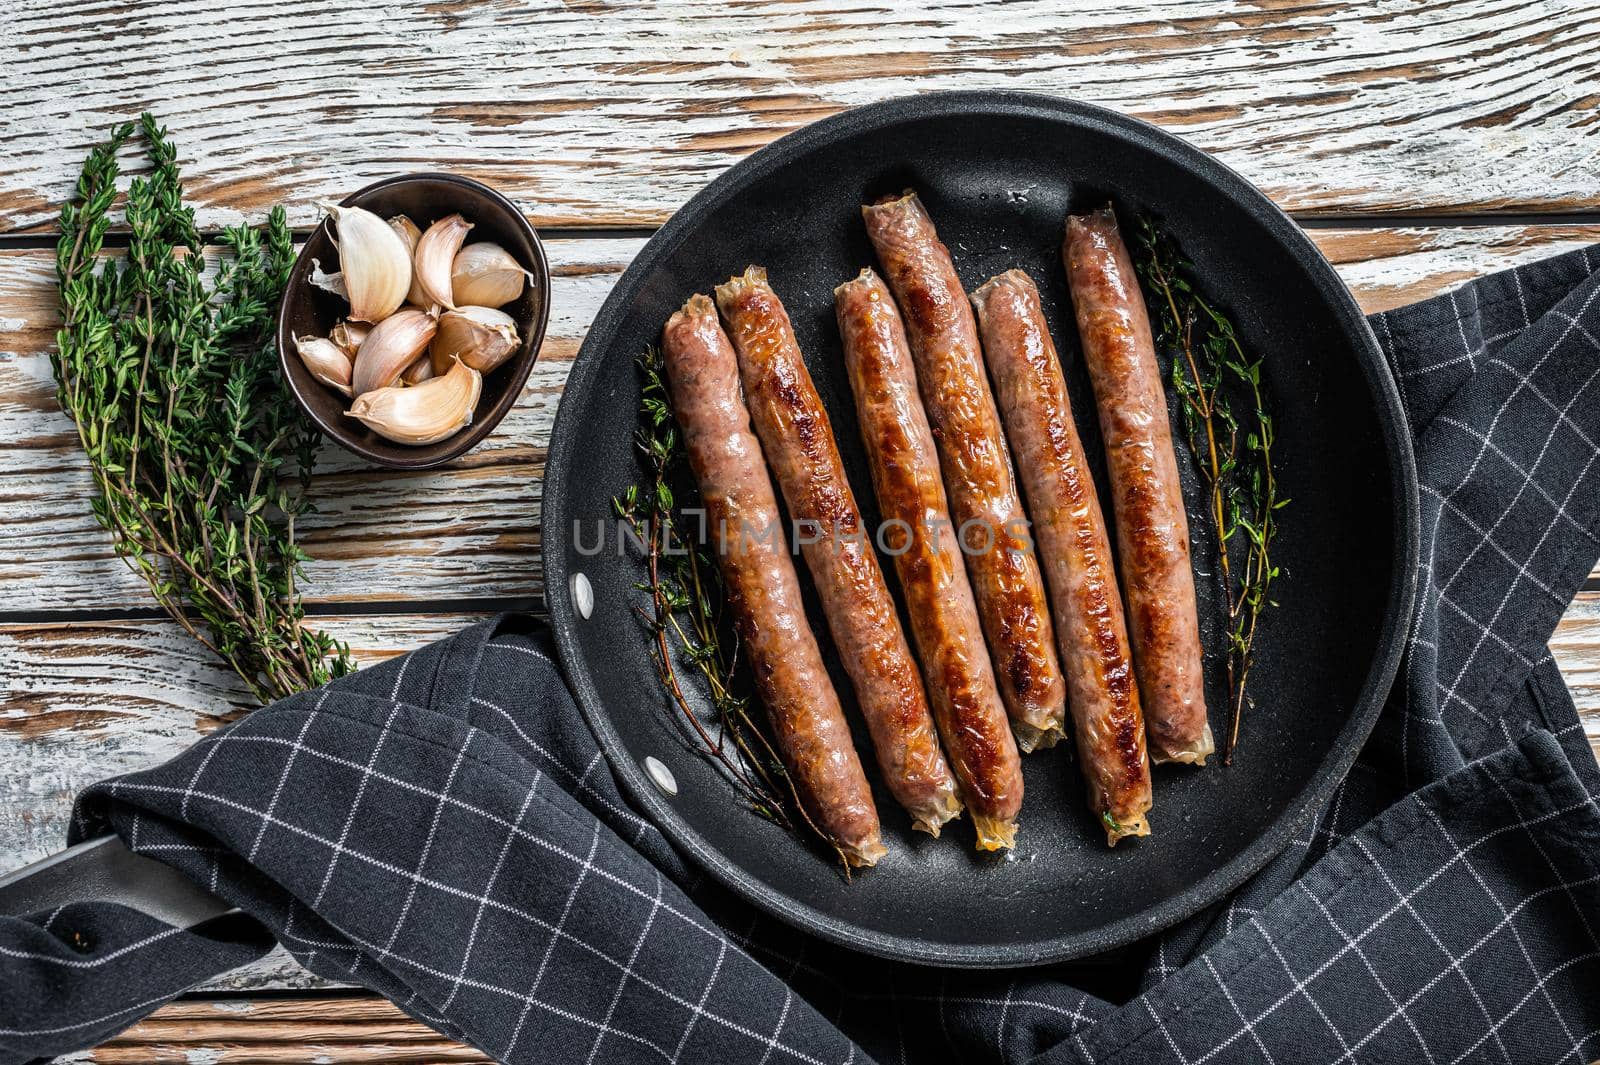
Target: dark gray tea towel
<point x="444" y="830"/>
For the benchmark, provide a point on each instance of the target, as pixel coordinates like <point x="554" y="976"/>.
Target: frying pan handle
<point x="105" y="870"/>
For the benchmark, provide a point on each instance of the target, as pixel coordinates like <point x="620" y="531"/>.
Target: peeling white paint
<point x="621" y="118"/>
<point x="447" y="550"/>
<point x="626" y="116"/>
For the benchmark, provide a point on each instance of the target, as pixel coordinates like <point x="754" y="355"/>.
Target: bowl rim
<point x="1403" y="546"/>
<point x="484" y="420"/>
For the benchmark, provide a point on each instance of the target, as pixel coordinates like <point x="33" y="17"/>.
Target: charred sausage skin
<point x="976" y="465"/>
<point x="763" y="590"/>
<point x="798" y="441"/>
<point x="920" y="538"/>
<point x="1074" y="551"/>
<point x="1152" y="527"/>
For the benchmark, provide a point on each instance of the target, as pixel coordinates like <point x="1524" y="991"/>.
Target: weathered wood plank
<point x="1388" y="268"/>
<point x="468" y="530"/>
<point x="324" y="1031"/>
<point x="471" y="530"/>
<point x="89" y="700"/>
<point x="611" y="113"/>
<point x="86" y="701"/>
<point x="1576" y="646"/>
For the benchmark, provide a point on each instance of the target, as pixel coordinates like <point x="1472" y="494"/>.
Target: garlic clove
<point x="337" y="386"/>
<point x="326" y="360"/>
<point x="333" y="282"/>
<point x="434" y="257"/>
<point x="418" y="372"/>
<point x="486" y="275"/>
<point x="393" y="344"/>
<point x="424" y="413"/>
<point x="481" y="337"/>
<point x="373" y="261"/>
<point x="403" y="225"/>
<point x="349" y="335"/>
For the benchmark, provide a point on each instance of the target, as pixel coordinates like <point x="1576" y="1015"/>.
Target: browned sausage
<point x="1074" y="551"/>
<point x="763" y="591"/>
<point x="798" y="442"/>
<point x="920" y="538"/>
<point x="976" y="466"/>
<point x="1152" y="529"/>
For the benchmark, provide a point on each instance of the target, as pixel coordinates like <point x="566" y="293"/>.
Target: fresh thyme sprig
<point x="1230" y="432"/>
<point x="199" y="458"/>
<point x="684" y="618"/>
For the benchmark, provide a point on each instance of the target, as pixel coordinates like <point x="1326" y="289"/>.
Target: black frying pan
<point x="999" y="172"/>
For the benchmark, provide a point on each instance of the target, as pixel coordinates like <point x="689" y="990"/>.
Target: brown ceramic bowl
<point x="307" y="310"/>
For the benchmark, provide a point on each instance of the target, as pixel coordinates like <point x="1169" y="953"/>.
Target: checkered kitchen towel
<point x="443" y="829"/>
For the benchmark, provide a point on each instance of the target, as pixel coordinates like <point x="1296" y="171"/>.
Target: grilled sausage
<point x="1074" y="551"/>
<point x="976" y="466"/>
<point x="762" y="588"/>
<point x="798" y="441"/>
<point x="944" y="619"/>
<point x="1152" y="529"/>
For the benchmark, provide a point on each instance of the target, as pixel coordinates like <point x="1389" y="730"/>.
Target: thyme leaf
<point x="1228" y="428"/>
<point x="200" y="460"/>
<point x="684" y="618"/>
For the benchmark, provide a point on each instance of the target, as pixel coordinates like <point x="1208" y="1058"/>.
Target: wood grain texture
<point x="470" y="530"/>
<point x="1388" y="268"/>
<point x="89" y="700"/>
<point x="86" y="699"/>
<point x="607" y="113"/>
<point x="611" y="113"/>
<point x="347" y="1030"/>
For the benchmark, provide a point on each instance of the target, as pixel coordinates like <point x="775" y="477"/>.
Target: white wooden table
<point x="1420" y="143"/>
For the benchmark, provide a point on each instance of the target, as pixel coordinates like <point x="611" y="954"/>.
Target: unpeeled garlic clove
<point x="486" y="275"/>
<point x="481" y="337"/>
<point x="333" y="282"/>
<point x="326" y="360"/>
<point x="403" y="225"/>
<point x="393" y="344"/>
<point x="425" y="413"/>
<point x="435" y="256"/>
<point x="349" y="335"/>
<point x="373" y="262"/>
<point x="418" y="372"/>
<point x="410" y="234"/>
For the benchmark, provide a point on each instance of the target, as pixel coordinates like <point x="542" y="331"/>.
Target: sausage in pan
<point x="762" y="588"/>
<point x="1074" y="551"/>
<point x="976" y="465"/>
<point x="918" y="534"/>
<point x="798" y="441"/>
<point x="1152" y="528"/>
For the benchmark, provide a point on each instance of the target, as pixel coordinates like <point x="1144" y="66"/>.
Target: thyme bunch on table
<point x="1230" y="432"/>
<point x="200" y="460"/>
<point x="684" y="618"/>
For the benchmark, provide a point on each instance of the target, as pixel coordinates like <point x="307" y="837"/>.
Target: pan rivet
<point x="582" y="595"/>
<point x="660" y="775"/>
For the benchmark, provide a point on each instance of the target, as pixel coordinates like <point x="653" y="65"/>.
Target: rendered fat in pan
<point x="1152" y="528"/>
<point x="918" y="535"/>
<point x="976" y="465"/>
<point x="763" y="590"/>
<point x="1074" y="551"/>
<point x="799" y="445"/>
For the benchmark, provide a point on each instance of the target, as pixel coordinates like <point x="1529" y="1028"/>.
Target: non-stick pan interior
<point x="999" y="172"/>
